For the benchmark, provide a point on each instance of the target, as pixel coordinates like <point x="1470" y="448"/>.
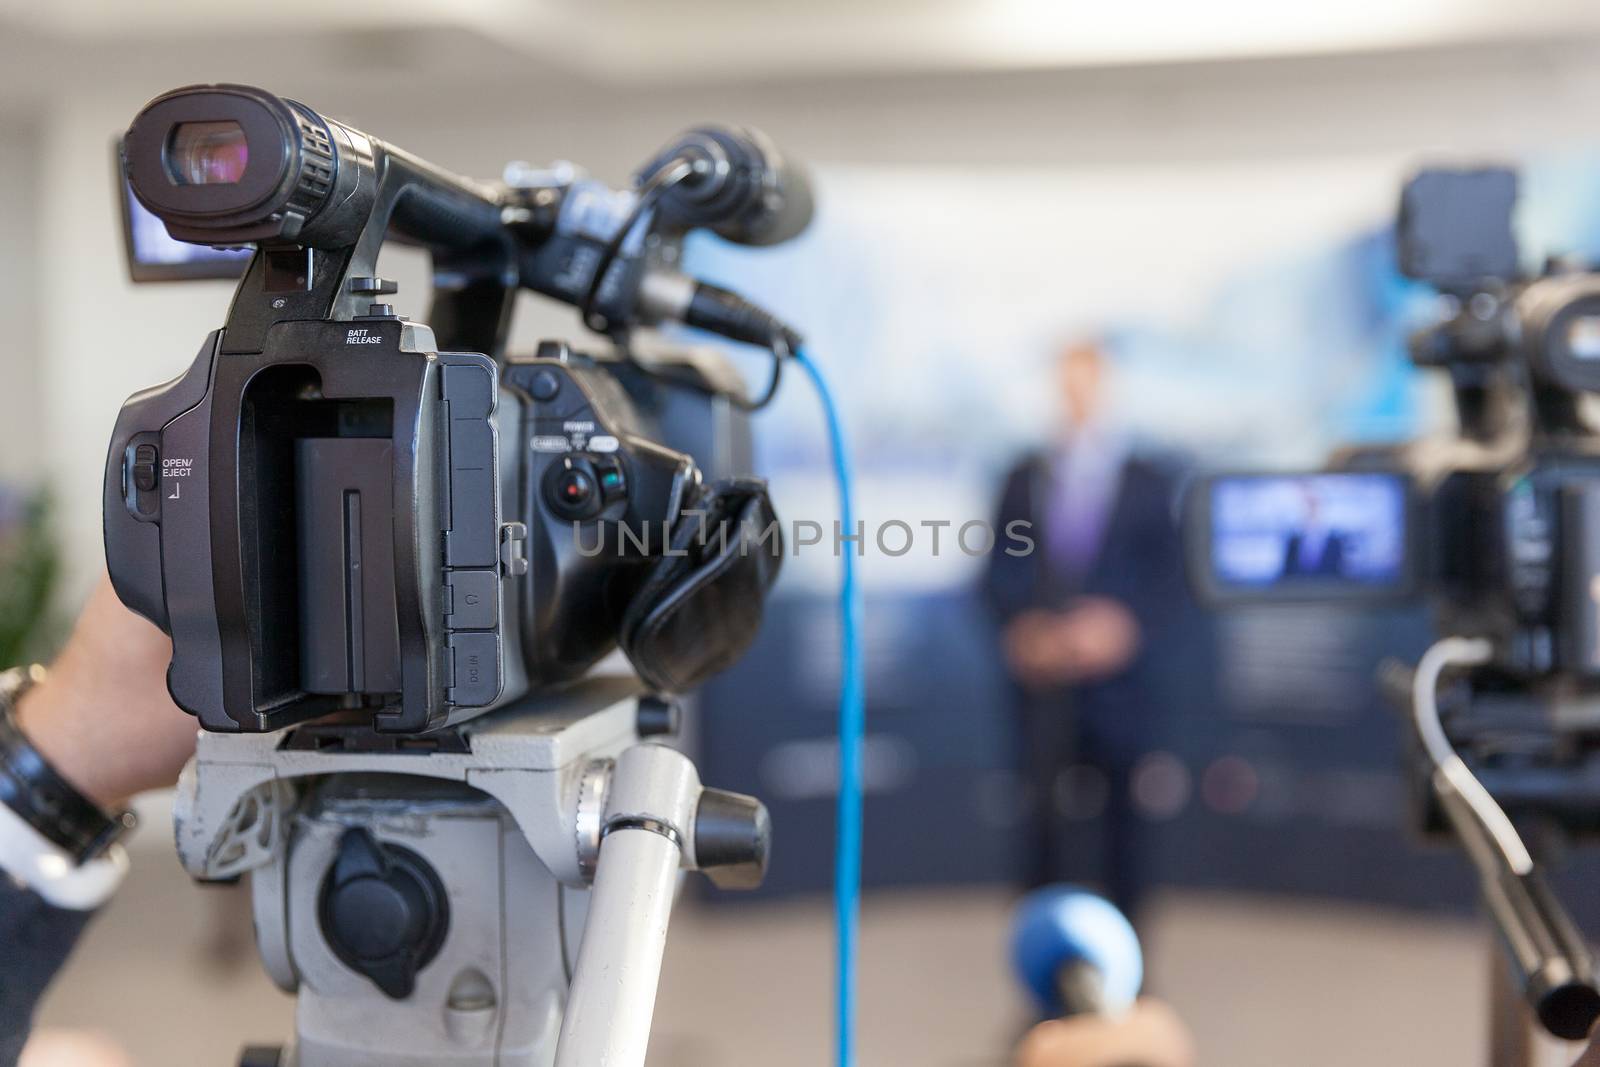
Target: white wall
<point x="1245" y="157"/>
<point x="20" y="357"/>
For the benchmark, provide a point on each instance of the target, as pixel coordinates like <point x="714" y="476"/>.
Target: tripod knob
<point x="732" y="839"/>
<point x="383" y="911"/>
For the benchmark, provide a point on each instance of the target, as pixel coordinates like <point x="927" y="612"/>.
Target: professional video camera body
<point x="388" y="555"/>
<point x="1499" y="528"/>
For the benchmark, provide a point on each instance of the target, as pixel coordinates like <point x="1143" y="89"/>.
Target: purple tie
<point x="1076" y="518"/>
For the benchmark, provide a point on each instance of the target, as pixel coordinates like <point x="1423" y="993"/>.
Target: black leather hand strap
<point x="700" y="607"/>
<point x="49" y="803"/>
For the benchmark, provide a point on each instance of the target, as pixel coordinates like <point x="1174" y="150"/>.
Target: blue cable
<point x="852" y="725"/>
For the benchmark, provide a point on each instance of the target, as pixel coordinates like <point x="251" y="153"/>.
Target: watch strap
<point x="39" y="795"/>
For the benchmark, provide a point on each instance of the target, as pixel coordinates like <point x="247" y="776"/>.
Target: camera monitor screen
<point x="1309" y="536"/>
<point x="153" y="256"/>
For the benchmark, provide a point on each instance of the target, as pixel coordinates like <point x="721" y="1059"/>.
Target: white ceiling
<point x="632" y="42"/>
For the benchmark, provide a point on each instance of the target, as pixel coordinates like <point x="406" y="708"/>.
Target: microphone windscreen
<point x="1059" y="927"/>
<point x="746" y="190"/>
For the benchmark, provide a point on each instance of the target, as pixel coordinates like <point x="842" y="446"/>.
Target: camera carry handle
<point x="334" y="276"/>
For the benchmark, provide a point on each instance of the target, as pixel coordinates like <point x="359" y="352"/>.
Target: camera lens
<point x="207" y="153"/>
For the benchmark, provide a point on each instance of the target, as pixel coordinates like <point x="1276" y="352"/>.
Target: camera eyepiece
<point x="230" y="164"/>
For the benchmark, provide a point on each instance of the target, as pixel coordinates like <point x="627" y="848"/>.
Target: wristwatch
<point x="53" y="839"/>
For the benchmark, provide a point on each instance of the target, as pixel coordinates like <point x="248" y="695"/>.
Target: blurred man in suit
<point x="1082" y="619"/>
<point x="1314" y="550"/>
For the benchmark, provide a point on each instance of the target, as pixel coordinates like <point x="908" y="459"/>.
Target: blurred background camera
<point x="1492" y="528"/>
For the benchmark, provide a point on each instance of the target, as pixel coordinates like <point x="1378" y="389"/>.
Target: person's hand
<point x="1095" y="638"/>
<point x="72" y="1048"/>
<point x="103" y="717"/>
<point x="1100" y="637"/>
<point x="1029" y="644"/>
<point x="1150" y="1035"/>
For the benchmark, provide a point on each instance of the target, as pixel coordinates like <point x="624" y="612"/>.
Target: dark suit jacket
<point x="1330" y="564"/>
<point x="1140" y="563"/>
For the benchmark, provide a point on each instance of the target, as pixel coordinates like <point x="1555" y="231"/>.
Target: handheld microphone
<point x="1076" y="953"/>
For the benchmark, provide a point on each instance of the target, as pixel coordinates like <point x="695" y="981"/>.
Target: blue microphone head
<point x="1060" y="925"/>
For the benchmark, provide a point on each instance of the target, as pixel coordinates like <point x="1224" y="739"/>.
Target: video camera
<point x="337" y="511"/>
<point x="1498" y="529"/>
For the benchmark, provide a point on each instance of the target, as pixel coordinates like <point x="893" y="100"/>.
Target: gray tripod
<point x="497" y="897"/>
